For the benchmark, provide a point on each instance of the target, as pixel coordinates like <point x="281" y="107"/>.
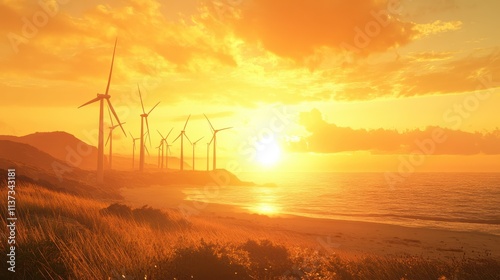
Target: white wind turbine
<point x="181" y="135"/>
<point x="214" y="139"/>
<point x="194" y="146"/>
<point x="144" y="116"/>
<point x="133" y="149"/>
<point x="100" y="143"/>
<point x="110" y="139"/>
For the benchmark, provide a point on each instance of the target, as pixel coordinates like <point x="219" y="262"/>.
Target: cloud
<point x="297" y="29"/>
<point x="251" y="52"/>
<point x="329" y="138"/>
<point x="417" y="74"/>
<point x="437" y="26"/>
<point x="71" y="46"/>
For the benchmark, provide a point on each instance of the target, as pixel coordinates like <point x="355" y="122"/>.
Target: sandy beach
<point x="349" y="238"/>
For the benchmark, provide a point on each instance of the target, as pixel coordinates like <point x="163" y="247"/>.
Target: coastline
<point x="346" y="237"/>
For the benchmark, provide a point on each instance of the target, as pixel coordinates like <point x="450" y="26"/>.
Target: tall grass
<point x="61" y="236"/>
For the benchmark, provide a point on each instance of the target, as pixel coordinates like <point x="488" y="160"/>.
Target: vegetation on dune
<point x="61" y="236"/>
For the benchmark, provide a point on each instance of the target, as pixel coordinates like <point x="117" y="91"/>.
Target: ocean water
<point x="458" y="201"/>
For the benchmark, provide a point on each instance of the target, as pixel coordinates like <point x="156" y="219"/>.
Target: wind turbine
<point x="144" y="116"/>
<point x="181" y="135"/>
<point x="110" y="139"/>
<point x="160" y="147"/>
<point x="208" y="154"/>
<point x="168" y="152"/>
<point x="214" y="138"/>
<point x="101" y="98"/>
<point x="133" y="149"/>
<point x="164" y="141"/>
<point x="194" y="146"/>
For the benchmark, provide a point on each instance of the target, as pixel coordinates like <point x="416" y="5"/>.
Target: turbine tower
<point x="214" y="138"/>
<point x="160" y="147"/>
<point x="194" y="146"/>
<point x="110" y="139"/>
<point x="208" y="154"/>
<point x="168" y="152"/>
<point x="100" y="143"/>
<point x="133" y="149"/>
<point x="164" y="141"/>
<point x="181" y="135"/>
<point x="144" y="116"/>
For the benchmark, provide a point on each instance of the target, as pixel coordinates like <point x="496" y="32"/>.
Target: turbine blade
<point x="91" y="101"/>
<point x="131" y="135"/>
<point x="224" y="128"/>
<point x="116" y="116"/>
<point x="146" y="148"/>
<point x="140" y="96"/>
<point x="110" y="118"/>
<point x="153" y="108"/>
<point x="147" y="131"/>
<point x="147" y="126"/>
<point x="111" y="70"/>
<point x="186" y="122"/>
<point x="177" y="138"/>
<point x="198" y="140"/>
<point x="109" y="136"/>
<point x="160" y="135"/>
<point x="211" y="126"/>
<point x="115" y="126"/>
<point x="169" y="133"/>
<point x="188" y="138"/>
<point x="209" y="143"/>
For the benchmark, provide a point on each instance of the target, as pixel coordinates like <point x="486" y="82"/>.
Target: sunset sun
<point x="269" y="154"/>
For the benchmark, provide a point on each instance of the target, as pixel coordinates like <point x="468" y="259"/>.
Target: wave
<point x="423" y="218"/>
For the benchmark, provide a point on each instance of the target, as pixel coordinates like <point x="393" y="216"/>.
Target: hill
<point x="36" y="166"/>
<point x="76" y="153"/>
<point x="62" y="146"/>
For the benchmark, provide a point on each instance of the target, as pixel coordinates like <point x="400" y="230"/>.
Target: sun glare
<point x="269" y="155"/>
<point x="266" y="209"/>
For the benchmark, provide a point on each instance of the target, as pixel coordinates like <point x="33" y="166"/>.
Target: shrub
<point x="206" y="261"/>
<point x="267" y="259"/>
<point x="153" y="217"/>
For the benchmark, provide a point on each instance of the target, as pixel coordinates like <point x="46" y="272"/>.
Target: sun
<point x="269" y="154"/>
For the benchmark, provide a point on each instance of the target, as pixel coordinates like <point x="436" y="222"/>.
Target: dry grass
<point x="61" y="236"/>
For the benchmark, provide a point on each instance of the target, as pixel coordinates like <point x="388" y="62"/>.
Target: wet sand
<point x="351" y="238"/>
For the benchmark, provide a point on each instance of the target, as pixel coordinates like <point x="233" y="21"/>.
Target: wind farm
<point x="164" y="147"/>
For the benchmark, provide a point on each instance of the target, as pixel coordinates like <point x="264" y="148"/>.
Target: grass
<point x="61" y="236"/>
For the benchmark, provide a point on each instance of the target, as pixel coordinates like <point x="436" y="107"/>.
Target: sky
<point x="325" y="85"/>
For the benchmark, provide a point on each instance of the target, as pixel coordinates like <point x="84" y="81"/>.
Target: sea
<point x="456" y="201"/>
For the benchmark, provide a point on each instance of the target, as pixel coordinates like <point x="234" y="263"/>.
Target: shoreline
<point x="348" y="237"/>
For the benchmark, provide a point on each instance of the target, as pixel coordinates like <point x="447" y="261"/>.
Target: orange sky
<point x="338" y="85"/>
